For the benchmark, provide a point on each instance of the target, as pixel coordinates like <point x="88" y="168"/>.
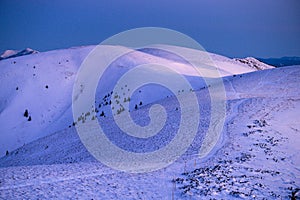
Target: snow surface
<point x="256" y="158"/>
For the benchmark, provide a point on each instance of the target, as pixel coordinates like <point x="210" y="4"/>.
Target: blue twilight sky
<point x="235" y="28"/>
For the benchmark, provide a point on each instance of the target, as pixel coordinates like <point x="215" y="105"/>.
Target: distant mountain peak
<point x="254" y="63"/>
<point x="16" y="53"/>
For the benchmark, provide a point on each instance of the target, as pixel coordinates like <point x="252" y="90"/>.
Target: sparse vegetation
<point x="294" y="193"/>
<point x="26" y="113"/>
<point x="102" y="114"/>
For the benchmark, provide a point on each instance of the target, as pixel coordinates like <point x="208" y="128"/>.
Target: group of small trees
<point x="102" y="114"/>
<point x="26" y="114"/>
<point x="136" y="106"/>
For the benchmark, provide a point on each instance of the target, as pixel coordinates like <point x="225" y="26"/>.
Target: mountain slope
<point x="42" y="84"/>
<point x="257" y="156"/>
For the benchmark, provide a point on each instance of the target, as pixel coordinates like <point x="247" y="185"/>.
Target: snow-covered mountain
<point x="254" y="63"/>
<point x="256" y="157"/>
<point x="42" y="84"/>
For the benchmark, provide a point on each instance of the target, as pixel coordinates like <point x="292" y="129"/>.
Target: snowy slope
<point x="257" y="158"/>
<point x="42" y="84"/>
